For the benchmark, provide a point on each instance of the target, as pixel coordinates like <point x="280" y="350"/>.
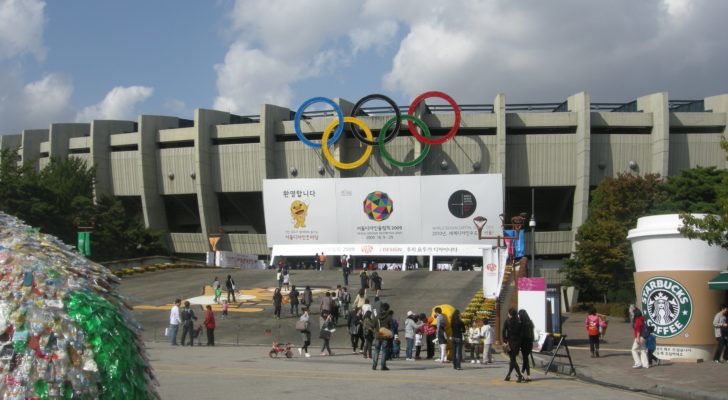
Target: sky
<point x="76" y="61"/>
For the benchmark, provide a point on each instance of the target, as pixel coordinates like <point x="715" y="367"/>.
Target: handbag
<point x="506" y="347"/>
<point x="384" y="333"/>
<point x="325" y="334"/>
<point x="301" y="325"/>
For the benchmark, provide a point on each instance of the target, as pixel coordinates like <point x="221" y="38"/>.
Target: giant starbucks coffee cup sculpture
<point x="671" y="282"/>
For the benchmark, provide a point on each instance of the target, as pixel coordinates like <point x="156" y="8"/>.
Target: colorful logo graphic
<point x="462" y="204"/>
<point x="299" y="210"/>
<point x="378" y="206"/>
<point x="666" y="305"/>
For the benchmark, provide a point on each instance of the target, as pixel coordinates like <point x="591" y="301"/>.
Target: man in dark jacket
<point x="382" y="345"/>
<point x="293" y="297"/>
<point x="187" y="315"/>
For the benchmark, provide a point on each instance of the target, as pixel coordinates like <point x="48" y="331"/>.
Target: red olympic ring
<point x="416" y="102"/>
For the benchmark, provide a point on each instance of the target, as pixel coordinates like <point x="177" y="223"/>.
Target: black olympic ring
<point x="391" y="134"/>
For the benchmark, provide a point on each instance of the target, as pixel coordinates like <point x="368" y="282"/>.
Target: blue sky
<point x="66" y="61"/>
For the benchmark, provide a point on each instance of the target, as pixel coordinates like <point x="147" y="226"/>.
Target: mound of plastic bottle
<point x="66" y="332"/>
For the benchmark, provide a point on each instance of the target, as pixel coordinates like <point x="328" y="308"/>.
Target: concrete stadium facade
<point x="192" y="177"/>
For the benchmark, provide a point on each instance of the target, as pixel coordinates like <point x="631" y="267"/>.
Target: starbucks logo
<point x="666" y="305"/>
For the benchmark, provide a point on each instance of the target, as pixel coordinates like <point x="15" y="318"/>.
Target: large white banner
<point x="494" y="267"/>
<point x="447" y="209"/>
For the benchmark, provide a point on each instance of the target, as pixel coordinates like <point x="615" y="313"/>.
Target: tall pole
<point x="532" y="224"/>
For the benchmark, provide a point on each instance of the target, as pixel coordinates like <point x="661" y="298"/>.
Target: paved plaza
<point x="239" y="365"/>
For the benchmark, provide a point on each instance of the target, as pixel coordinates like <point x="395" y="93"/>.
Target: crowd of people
<point x="374" y="330"/>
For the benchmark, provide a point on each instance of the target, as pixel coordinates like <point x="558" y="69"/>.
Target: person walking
<point x="325" y="303"/>
<point x="277" y="303"/>
<point x="307" y="297"/>
<point x="360" y="298"/>
<point x="345" y="299"/>
<point x="187" y="315"/>
<point x="316" y="262"/>
<point x="369" y="328"/>
<point x="512" y="334"/>
<point x="210" y="325"/>
<point x="326" y="326"/>
<point x="651" y="346"/>
<point x="592" y="324"/>
<point x="720" y="327"/>
<point x="174" y="321"/>
<point x="486" y="332"/>
<point x="441" y="334"/>
<point x="381" y="349"/>
<point x="286" y="279"/>
<point x="364" y="279"/>
<point x="474" y="340"/>
<point x="527" y="337"/>
<point x="345" y="269"/>
<point x="215" y="287"/>
<point x="639" y="351"/>
<point x="293" y="299"/>
<point x="377" y="281"/>
<point x="305" y="333"/>
<point x="230" y="287"/>
<point x="457" y="330"/>
<point x="354" y="322"/>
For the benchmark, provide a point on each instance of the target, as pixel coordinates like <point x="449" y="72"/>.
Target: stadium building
<point x="191" y="178"/>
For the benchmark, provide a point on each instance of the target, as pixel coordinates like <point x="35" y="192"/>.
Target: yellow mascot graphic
<point x="299" y="210"/>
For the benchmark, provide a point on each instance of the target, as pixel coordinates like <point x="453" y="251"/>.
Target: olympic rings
<point x="455" y="126"/>
<point x="385" y="134"/>
<point x="398" y="119"/>
<point x="325" y="147"/>
<point x="297" y="121"/>
<point x="386" y="155"/>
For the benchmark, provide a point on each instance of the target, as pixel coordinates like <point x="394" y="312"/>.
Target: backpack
<point x="644" y="331"/>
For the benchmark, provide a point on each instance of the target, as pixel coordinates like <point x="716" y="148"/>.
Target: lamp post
<point x="532" y="224"/>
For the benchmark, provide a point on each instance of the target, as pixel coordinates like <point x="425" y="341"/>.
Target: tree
<point x="695" y="190"/>
<point x="711" y="228"/>
<point x="602" y="265"/>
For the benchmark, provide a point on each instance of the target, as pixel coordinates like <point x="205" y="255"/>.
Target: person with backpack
<point x="592" y="324"/>
<point x="641" y="333"/>
<point x="384" y="323"/>
<point x="187" y="315"/>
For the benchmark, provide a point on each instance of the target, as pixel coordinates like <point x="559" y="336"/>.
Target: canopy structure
<point x="720" y="282"/>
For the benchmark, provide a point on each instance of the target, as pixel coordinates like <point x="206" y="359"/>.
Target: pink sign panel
<point x="532" y="284"/>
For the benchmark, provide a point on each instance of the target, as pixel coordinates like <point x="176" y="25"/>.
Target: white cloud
<point x="119" y="103"/>
<point x="175" y="106"/>
<point x="21" y="28"/>
<point x="34" y="105"/>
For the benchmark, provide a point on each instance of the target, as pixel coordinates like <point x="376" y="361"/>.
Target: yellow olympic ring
<point x="325" y="146"/>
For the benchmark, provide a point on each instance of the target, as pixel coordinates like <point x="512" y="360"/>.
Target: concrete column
<point x="155" y="216"/>
<point x="580" y="103"/>
<point x="30" y="145"/>
<point x="205" y="122"/>
<point x="660" y="138"/>
<point x="100" y="150"/>
<point x="10" y="141"/>
<point x="719" y="104"/>
<point x="270" y="120"/>
<point x="60" y="135"/>
<point x="499" y="109"/>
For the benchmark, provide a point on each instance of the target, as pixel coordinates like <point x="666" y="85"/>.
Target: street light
<point x="532" y="224"/>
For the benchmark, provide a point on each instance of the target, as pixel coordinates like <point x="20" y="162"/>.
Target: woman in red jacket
<point x="639" y="350"/>
<point x="210" y="325"/>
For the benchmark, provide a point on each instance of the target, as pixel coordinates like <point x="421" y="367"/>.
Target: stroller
<point x="197" y="334"/>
